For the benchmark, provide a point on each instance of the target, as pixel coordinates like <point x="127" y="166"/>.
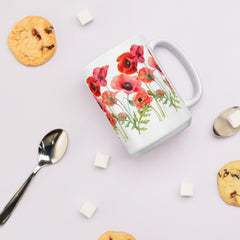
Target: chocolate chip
<point x="48" y="47"/>
<point x="49" y="29"/>
<point x="110" y="238"/>
<point x="235" y="175"/>
<point x="219" y="174"/>
<point x="36" y="34"/>
<point x="233" y="194"/>
<point x="226" y="173"/>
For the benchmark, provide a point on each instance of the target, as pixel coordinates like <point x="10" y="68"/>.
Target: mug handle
<point x="197" y="88"/>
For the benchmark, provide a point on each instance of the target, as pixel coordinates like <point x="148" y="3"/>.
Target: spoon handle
<point x="7" y="211"/>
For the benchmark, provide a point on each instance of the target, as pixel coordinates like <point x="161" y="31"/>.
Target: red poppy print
<point x="146" y="75"/>
<point x="109" y="98"/>
<point x="160" y="92"/>
<point x="126" y="83"/>
<point x="125" y="64"/>
<point x="129" y="98"/>
<point x="122" y="116"/>
<point x="153" y="64"/>
<point x="99" y="75"/>
<point x="112" y="120"/>
<point x="137" y="53"/>
<point x="94" y="89"/>
<point x="101" y="105"/>
<point x="141" y="99"/>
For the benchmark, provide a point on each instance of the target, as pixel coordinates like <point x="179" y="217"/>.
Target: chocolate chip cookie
<point x="229" y="183"/>
<point x="32" y="40"/>
<point x="111" y="235"/>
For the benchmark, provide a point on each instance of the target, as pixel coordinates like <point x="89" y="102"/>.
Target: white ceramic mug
<point x="136" y="95"/>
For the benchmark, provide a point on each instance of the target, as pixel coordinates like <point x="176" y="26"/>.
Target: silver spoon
<point x="221" y="126"/>
<point x="51" y="149"/>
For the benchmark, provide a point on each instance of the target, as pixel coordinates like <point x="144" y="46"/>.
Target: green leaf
<point x="135" y="116"/>
<point x="132" y="103"/>
<point x="139" y="110"/>
<point x="149" y="76"/>
<point x="115" y="129"/>
<point x="111" y="100"/>
<point x="165" y="102"/>
<point x="144" y="121"/>
<point x="127" y="125"/>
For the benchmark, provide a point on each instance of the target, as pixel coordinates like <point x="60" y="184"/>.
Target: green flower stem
<point x="156" y="78"/>
<point x="148" y="87"/>
<point x="125" y="111"/>
<point x="173" y="100"/>
<point x="123" y="133"/>
<point x="160" y="109"/>
<point x="120" y="124"/>
<point x="156" y="112"/>
<point x="118" y="101"/>
<point x="128" y="103"/>
<point x="158" y="105"/>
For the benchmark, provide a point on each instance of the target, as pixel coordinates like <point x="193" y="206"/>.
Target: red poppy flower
<point x="122" y="116"/>
<point x="160" y="92"/>
<point x="137" y="52"/>
<point x="152" y="63"/>
<point x="126" y="65"/>
<point x="99" y="75"/>
<point x="129" y="84"/>
<point x="102" y="105"/>
<point x="141" y="99"/>
<point x="146" y="75"/>
<point x="109" y="98"/>
<point x="94" y="89"/>
<point x="111" y="119"/>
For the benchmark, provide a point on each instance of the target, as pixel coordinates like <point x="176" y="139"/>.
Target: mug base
<point x="155" y="144"/>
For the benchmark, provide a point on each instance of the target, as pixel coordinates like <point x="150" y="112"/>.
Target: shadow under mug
<point x="137" y="97"/>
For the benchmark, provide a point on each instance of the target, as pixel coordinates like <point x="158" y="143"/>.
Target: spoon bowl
<point x="221" y="126"/>
<point x="51" y="149"/>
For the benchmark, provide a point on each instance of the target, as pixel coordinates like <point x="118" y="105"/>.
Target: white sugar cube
<point x="234" y="119"/>
<point x="88" y="209"/>
<point x="186" y="189"/>
<point x="101" y="160"/>
<point x="85" y="16"/>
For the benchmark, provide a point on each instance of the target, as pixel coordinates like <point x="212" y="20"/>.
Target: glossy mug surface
<point x="135" y="94"/>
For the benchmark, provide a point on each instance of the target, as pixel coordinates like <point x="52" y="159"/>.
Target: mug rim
<point x="137" y="36"/>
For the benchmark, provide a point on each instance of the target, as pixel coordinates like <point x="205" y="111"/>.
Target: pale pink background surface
<point x="136" y="195"/>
